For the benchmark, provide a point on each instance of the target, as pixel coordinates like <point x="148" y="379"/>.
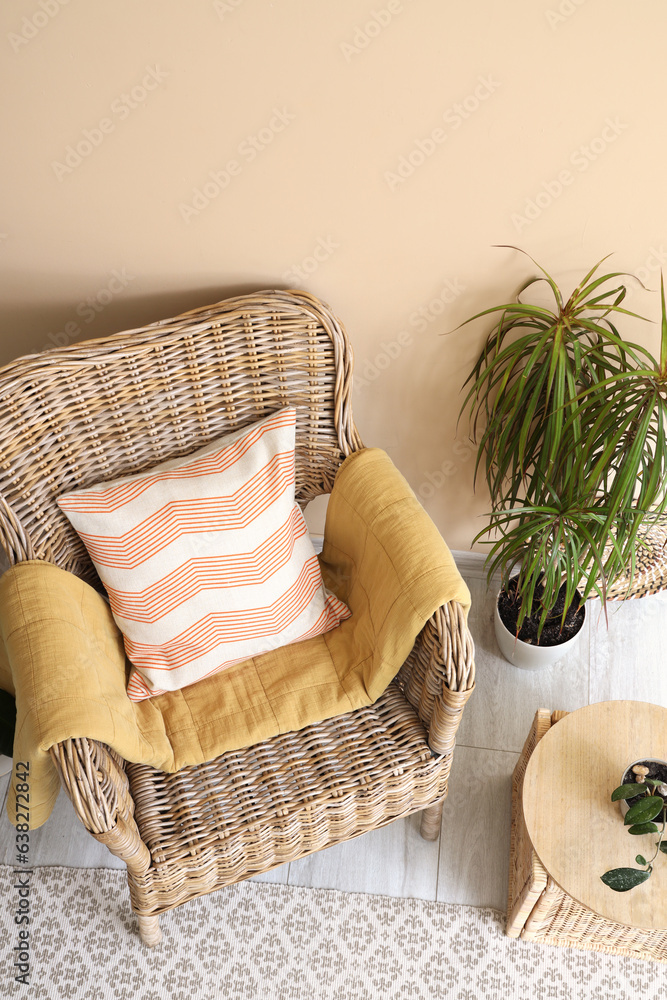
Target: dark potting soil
<point x="655" y="770"/>
<point x="552" y="633"/>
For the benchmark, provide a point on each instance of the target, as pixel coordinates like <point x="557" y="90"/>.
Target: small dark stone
<point x="657" y="771"/>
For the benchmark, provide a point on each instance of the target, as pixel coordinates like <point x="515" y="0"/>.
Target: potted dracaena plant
<point x="570" y="421"/>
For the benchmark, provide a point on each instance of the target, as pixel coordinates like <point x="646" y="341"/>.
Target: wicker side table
<point x="566" y="833"/>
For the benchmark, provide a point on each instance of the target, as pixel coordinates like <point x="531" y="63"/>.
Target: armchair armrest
<point x="386" y="559"/>
<point x="94" y="778"/>
<point x="438" y="676"/>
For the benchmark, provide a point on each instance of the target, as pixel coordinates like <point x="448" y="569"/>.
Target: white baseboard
<point x="470" y="563"/>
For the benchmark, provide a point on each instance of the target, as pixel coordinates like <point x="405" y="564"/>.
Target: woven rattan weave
<point x="650" y="572"/>
<point x="77" y="415"/>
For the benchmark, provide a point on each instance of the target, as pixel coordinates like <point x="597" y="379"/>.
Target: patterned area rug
<point x="256" y="941"/>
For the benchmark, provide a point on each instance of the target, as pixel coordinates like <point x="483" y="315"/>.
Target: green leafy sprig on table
<point x="639" y="819"/>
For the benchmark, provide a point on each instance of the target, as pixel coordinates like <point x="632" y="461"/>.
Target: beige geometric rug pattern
<point x="259" y="941"/>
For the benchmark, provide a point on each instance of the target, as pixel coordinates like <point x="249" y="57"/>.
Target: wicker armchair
<point x="94" y="411"/>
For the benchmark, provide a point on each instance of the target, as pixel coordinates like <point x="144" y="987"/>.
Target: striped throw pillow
<point x="206" y="559"/>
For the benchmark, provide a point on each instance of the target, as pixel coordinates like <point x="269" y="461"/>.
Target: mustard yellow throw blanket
<point x="64" y="659"/>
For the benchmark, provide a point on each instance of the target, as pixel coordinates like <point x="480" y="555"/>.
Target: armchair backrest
<point x="101" y="409"/>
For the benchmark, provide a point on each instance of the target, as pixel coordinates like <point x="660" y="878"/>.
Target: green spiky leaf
<point x="663" y="328"/>
<point x="570" y="423"/>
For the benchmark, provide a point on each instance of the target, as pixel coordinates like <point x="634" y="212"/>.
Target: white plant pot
<point x="525" y="654"/>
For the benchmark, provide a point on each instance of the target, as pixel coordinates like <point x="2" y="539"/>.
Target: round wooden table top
<point x="576" y="831"/>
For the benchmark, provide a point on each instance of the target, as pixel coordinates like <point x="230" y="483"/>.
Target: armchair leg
<point x="431" y="820"/>
<point x="149" y="930"/>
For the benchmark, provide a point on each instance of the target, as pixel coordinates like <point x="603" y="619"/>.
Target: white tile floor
<point x="468" y="864"/>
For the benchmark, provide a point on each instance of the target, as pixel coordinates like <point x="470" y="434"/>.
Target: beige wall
<point x="382" y="148"/>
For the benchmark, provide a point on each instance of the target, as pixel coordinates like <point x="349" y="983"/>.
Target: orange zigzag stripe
<point x="333" y="613"/>
<point x="221" y="627"/>
<point x="210" y="573"/>
<point x="193" y="516"/>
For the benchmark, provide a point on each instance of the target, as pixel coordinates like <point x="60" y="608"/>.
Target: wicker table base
<point x="538" y="909"/>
